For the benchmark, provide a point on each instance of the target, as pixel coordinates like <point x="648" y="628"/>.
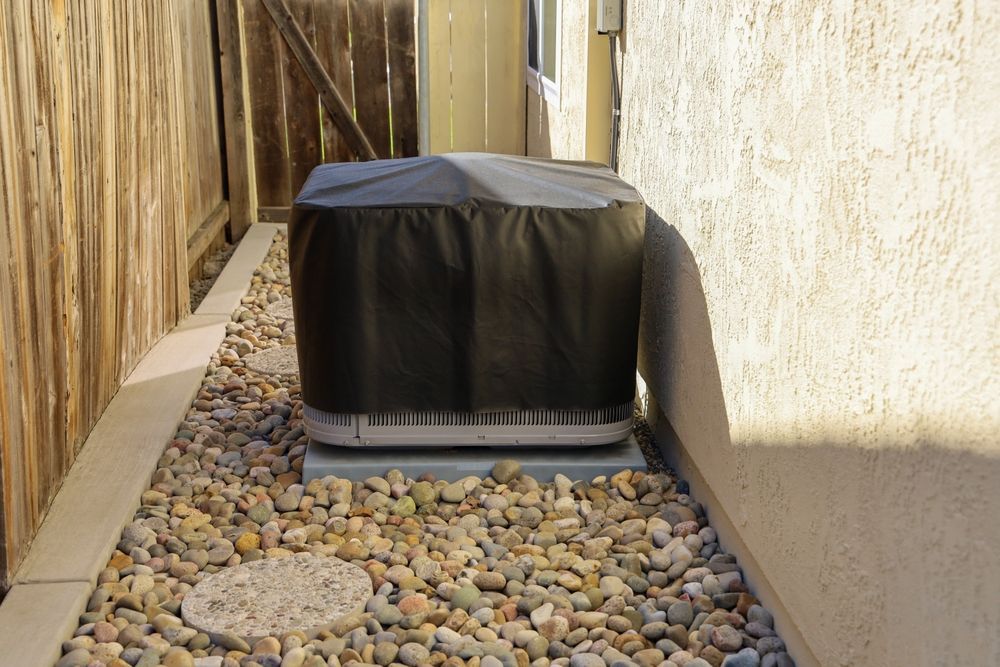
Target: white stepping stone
<point x="276" y="595"/>
<point x="274" y="361"/>
<point x="280" y="309"/>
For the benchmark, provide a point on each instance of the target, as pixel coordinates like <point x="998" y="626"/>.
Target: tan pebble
<point x="623" y="475"/>
<point x="120" y="561"/>
<point x="267" y="646"/>
<point x="624" y="488"/>
<point x="178" y="657"/>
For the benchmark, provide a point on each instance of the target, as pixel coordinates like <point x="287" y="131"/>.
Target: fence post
<point x="236" y="113"/>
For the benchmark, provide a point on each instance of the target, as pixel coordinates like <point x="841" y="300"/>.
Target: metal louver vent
<point x="507" y="428"/>
<point x="328" y="418"/>
<point x="506" y="418"/>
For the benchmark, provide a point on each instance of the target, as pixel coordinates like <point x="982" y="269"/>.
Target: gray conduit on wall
<point x="616" y="102"/>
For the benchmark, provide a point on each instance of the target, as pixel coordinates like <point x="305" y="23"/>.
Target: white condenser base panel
<point x="513" y="428"/>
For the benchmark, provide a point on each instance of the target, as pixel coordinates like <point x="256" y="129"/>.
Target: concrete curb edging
<point x="234" y="280"/>
<point x="103" y="487"/>
<point x="35" y="618"/>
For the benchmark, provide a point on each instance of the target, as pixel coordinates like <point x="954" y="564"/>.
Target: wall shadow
<point x="676" y="352"/>
<point x="869" y="553"/>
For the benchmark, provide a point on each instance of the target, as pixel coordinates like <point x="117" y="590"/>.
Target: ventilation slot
<point x="610" y="415"/>
<point x="328" y="418"/>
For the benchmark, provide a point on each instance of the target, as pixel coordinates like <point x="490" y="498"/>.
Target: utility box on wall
<point x="467" y="299"/>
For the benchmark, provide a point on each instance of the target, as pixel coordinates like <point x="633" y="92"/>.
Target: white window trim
<point x="540" y="84"/>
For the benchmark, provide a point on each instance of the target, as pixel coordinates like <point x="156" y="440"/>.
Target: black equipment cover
<point x="467" y="283"/>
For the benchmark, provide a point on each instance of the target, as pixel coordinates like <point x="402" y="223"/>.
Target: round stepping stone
<point x="274" y="361"/>
<point x="277" y="595"/>
<point x="280" y="309"/>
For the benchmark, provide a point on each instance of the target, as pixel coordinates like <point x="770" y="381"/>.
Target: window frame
<point x="540" y="84"/>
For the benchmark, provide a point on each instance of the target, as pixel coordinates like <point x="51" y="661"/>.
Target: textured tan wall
<point x="821" y="309"/>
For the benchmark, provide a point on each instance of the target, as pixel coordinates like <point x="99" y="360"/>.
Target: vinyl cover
<point x="466" y="282"/>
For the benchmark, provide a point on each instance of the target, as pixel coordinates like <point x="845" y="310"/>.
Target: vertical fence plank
<point x="110" y="288"/>
<point x="400" y="31"/>
<point x="505" y="87"/>
<point x="11" y="209"/>
<point x="125" y="159"/>
<point x="192" y="39"/>
<point x="468" y="64"/>
<point x="240" y="160"/>
<point x="333" y="47"/>
<point x="68" y="333"/>
<point x="371" y="83"/>
<point x="439" y="90"/>
<point x="266" y="82"/>
<point x="301" y="105"/>
<point x="205" y="185"/>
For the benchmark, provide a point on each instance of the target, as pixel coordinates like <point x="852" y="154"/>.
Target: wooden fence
<point x="114" y="178"/>
<point x="367" y="48"/>
<point x="110" y="158"/>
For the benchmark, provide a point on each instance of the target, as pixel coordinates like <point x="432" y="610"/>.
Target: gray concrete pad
<point x="542" y="463"/>
<point x="233" y="282"/>
<point x="36" y="618"/>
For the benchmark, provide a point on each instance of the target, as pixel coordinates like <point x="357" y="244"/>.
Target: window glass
<point x="549" y="24"/>
<point x="543" y="37"/>
<point x="533" y="34"/>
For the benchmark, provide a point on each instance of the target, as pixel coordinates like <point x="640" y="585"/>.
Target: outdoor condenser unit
<point x="466" y="299"/>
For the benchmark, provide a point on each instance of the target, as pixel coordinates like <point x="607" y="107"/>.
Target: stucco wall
<point x="821" y="303"/>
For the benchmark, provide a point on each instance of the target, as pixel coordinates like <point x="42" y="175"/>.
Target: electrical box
<point x="609" y="16"/>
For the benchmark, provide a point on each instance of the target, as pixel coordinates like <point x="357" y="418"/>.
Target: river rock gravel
<point x="209" y="274"/>
<point x="502" y="571"/>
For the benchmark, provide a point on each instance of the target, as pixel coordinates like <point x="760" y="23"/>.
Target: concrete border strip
<point x="104" y="485"/>
<point x="232" y="283"/>
<point x="35" y="618"/>
<point x="102" y="489"/>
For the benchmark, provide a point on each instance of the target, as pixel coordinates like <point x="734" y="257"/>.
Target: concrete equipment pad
<point x="451" y="464"/>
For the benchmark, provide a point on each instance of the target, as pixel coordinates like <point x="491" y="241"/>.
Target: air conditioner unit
<point x="466" y="299"/>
